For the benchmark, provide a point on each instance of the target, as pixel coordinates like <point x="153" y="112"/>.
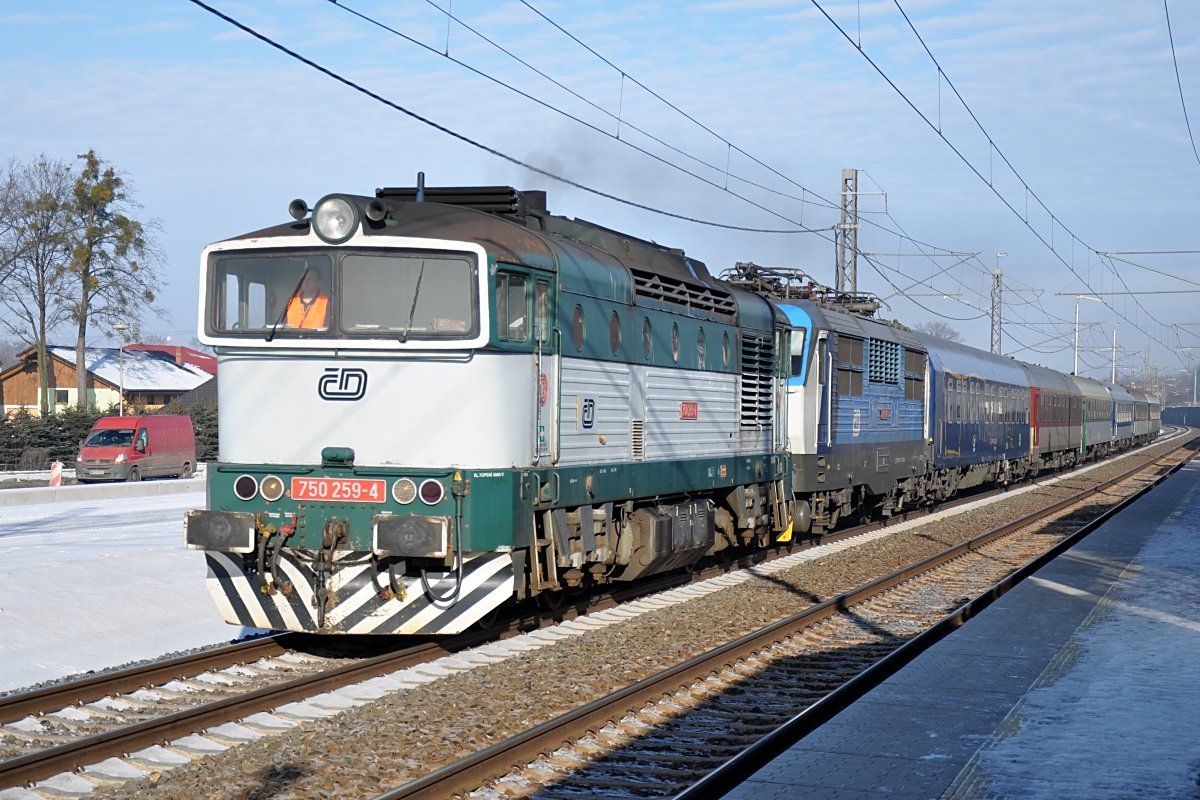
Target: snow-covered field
<point x="92" y="584"/>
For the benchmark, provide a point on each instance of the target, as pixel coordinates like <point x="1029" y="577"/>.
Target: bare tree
<point x="9" y="350"/>
<point x="34" y="253"/>
<point x="114" y="259"/>
<point x="942" y="330"/>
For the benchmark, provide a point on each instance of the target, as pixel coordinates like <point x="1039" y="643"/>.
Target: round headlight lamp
<point x="245" y="487"/>
<point x="404" y="491"/>
<point x="335" y="219"/>
<point x="432" y="492"/>
<point x="271" y="488"/>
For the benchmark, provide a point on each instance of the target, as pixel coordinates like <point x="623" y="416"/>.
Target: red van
<point x="132" y="448"/>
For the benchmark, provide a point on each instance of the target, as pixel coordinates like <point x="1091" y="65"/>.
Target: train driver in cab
<point x="309" y="307"/>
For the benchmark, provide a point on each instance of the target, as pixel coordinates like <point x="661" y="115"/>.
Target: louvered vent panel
<point x="637" y="439"/>
<point x="652" y="286"/>
<point x="758" y="356"/>
<point x="883" y="361"/>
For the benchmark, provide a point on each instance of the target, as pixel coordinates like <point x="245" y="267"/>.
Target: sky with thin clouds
<point x="217" y="132"/>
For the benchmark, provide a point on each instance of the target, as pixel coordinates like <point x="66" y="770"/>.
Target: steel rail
<point x="471" y="772"/>
<point x="56" y="696"/>
<point x="738" y="769"/>
<point x="47" y="699"/>
<point x="119" y="742"/>
<point x="160" y="730"/>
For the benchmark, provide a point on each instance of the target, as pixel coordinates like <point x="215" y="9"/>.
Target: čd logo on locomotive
<point x="342" y="383"/>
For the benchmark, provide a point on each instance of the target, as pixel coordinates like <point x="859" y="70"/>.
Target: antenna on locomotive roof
<point x="420" y="187"/>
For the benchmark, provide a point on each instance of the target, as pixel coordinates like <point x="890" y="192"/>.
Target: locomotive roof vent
<point x="490" y="199"/>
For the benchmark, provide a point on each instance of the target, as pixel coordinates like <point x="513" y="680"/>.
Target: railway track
<point x="63" y="727"/>
<point x="698" y="728"/>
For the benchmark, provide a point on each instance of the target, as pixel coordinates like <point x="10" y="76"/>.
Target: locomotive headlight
<point x="245" y="487"/>
<point x="404" y="491"/>
<point x="335" y="219"/>
<point x="432" y="492"/>
<point x="271" y="488"/>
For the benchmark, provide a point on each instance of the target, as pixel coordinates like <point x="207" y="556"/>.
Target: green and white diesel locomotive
<point x="434" y="401"/>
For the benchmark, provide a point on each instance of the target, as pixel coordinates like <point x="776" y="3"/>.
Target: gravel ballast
<point x="404" y="735"/>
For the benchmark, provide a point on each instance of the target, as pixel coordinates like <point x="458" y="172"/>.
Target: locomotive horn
<point x="377" y="210"/>
<point x="298" y="209"/>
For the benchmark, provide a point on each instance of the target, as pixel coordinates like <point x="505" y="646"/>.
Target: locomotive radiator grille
<point x="758" y="357"/>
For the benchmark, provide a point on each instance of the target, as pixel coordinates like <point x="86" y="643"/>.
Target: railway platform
<point x="1078" y="683"/>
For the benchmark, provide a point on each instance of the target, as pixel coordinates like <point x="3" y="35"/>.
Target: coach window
<point x="512" y="307"/>
<point x="914" y="375"/>
<point x="614" y="333"/>
<point x="647" y="339"/>
<point x="700" y="349"/>
<point x="675" y="342"/>
<point x="724" y="347"/>
<point x="850" y="367"/>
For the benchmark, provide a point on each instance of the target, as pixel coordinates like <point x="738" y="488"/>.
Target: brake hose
<point x="458" y="555"/>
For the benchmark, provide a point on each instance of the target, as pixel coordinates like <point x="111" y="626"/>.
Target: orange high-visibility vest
<point x="311" y="315"/>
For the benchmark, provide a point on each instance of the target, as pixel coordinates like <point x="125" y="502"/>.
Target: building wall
<point x="19" y="389"/>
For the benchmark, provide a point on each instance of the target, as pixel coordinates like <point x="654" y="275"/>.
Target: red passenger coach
<point x="1055" y="418"/>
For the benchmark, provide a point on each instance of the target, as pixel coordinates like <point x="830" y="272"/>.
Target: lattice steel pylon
<point x="846" y="280"/>
<point x="997" y="311"/>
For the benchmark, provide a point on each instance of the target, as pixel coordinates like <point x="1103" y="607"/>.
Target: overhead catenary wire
<point x="479" y="145"/>
<point x="363" y="90"/>
<point x="992" y="147"/>
<point x="625" y="75"/>
<point x="1179" y="83"/>
<point x="573" y="117"/>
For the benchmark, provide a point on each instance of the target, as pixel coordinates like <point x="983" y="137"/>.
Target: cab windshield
<point x="392" y="295"/>
<point x="110" y="437"/>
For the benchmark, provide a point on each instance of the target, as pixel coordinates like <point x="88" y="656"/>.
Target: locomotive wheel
<point x="488" y="619"/>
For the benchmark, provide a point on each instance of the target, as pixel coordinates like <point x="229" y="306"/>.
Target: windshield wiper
<point x="412" y="310"/>
<point x="291" y="297"/>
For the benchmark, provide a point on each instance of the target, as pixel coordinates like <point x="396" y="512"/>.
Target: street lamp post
<point x="120" y="328"/>
<point x="1079" y="297"/>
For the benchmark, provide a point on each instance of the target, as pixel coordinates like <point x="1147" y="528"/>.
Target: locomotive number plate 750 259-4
<point x="339" y="490"/>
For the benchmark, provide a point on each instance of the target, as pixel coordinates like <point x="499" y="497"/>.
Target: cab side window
<point x="512" y="307"/>
<point x="142" y="439"/>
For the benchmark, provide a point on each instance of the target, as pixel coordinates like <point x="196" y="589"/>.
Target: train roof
<point x="1046" y="378"/>
<point x="961" y="359"/>
<point x="515" y="226"/>
<point x="853" y="324"/>
<point x="1119" y="393"/>
<point x="1089" y="387"/>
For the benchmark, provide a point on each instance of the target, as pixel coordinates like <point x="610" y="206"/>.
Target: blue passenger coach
<point x="978" y="415"/>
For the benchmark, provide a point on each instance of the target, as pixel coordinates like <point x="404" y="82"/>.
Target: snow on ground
<point x="90" y="584"/>
<point x="1122" y="720"/>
